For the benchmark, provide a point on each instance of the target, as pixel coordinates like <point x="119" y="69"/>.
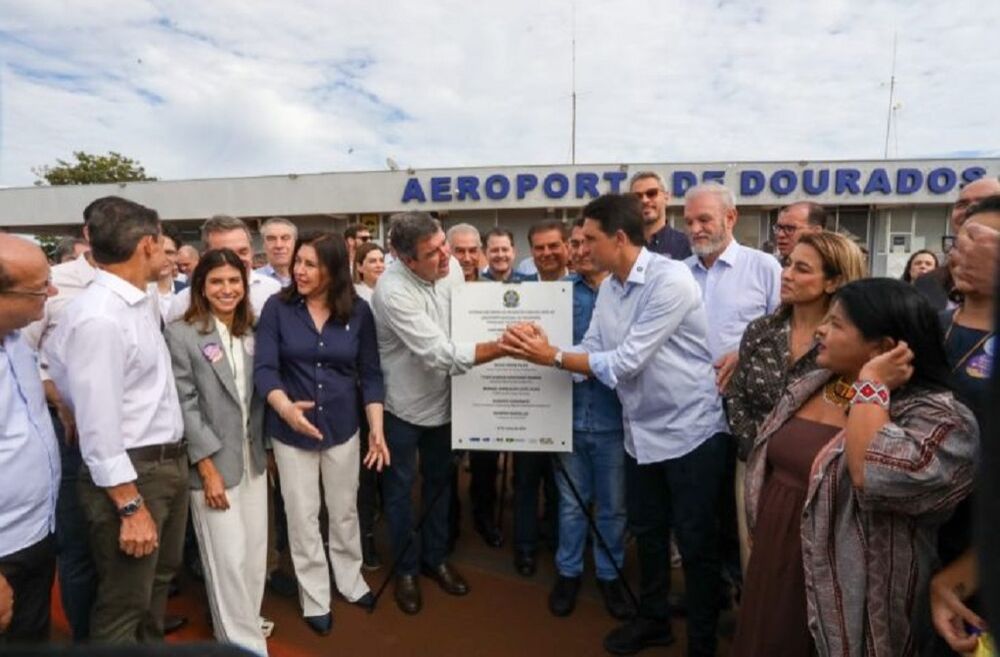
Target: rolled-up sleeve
<point x="422" y="336"/>
<point x="924" y="462"/>
<point x="666" y="305"/>
<point x="369" y="365"/>
<point x="266" y="361"/>
<point x="97" y="400"/>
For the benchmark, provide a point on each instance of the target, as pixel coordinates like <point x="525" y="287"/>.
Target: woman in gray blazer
<point x="212" y="351"/>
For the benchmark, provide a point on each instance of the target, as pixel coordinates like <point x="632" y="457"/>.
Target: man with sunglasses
<point x="651" y="190"/>
<point x="355" y="235"/>
<point x="29" y="461"/>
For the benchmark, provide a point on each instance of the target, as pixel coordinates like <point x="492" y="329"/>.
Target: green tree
<point x="49" y="244"/>
<point x="91" y="169"/>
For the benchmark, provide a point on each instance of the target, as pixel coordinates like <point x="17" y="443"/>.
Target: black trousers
<point x="532" y="473"/>
<point x="30" y="572"/>
<point x="483" y="486"/>
<point x="679" y="495"/>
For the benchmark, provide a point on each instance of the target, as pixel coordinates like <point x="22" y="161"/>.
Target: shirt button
<point x="319" y="364"/>
<point x="320" y="408"/>
<point x="321" y="344"/>
<point x="320" y="386"/>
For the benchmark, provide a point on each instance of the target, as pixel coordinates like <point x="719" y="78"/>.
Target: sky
<point x="218" y="88"/>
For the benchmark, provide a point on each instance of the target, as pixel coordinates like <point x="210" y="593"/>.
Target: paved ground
<point x="503" y="615"/>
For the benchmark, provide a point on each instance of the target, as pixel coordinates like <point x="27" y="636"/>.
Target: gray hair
<point x="409" y="228"/>
<point x="223" y="223"/>
<point x="711" y="187"/>
<point x="642" y="175"/>
<point x="279" y="221"/>
<point x="65" y="248"/>
<point x="467" y="229"/>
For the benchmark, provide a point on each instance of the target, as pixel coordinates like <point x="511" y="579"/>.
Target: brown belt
<point x="162" y="452"/>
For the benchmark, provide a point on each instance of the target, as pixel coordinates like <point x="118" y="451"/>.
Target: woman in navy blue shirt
<point x="316" y="353"/>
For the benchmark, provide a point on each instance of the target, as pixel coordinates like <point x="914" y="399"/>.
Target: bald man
<point x="937" y="286"/>
<point x="187" y="260"/>
<point x="29" y="461"/>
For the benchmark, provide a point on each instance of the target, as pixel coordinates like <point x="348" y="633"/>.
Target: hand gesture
<point x="138" y="537"/>
<point x="378" y="452"/>
<point x="528" y="342"/>
<point x="892" y="368"/>
<point x="294" y="414"/>
<point x="949" y="615"/>
<point x="973" y="261"/>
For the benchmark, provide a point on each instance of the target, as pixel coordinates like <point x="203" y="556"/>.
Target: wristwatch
<point x="557" y="360"/>
<point x="131" y="507"/>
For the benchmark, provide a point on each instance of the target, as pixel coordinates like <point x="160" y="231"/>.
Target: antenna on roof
<point x="573" y="121"/>
<point x="892" y="90"/>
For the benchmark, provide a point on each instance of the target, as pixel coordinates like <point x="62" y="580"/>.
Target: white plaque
<point x="511" y="405"/>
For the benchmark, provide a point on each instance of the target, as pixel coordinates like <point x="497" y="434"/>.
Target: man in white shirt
<point x="29" y="455"/>
<point x="111" y="365"/>
<point x="77" y="575"/>
<point x="412" y="306"/>
<point x="225" y="232"/>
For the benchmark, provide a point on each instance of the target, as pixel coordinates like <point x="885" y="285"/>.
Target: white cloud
<point x="200" y="89"/>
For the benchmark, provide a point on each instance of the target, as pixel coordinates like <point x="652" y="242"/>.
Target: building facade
<point x="892" y="207"/>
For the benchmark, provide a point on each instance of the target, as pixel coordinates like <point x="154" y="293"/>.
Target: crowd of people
<point x="801" y="437"/>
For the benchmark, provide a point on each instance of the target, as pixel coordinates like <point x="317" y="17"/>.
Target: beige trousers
<point x="301" y="472"/>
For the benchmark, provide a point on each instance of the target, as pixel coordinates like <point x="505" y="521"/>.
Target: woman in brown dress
<point x="781" y="347"/>
<point x="849" y="479"/>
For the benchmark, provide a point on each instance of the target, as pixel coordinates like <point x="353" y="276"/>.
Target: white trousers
<point x="301" y="472"/>
<point x="233" y="546"/>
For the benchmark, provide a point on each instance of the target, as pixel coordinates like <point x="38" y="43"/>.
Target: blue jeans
<point x="77" y="574"/>
<point x="405" y="440"/>
<point x="597" y="469"/>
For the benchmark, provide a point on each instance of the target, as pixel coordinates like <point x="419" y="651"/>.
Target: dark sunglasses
<point x="649" y="193"/>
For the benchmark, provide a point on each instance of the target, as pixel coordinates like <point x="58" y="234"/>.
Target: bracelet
<point x="870" y="392"/>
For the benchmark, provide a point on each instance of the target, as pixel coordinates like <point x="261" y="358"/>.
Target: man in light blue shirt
<point x="738" y="285"/>
<point x="30" y="466"/>
<point x="279" y="241"/>
<point x="648" y="341"/>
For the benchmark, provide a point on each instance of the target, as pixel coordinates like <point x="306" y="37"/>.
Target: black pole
<point x="593" y="527"/>
<point x="504" y="459"/>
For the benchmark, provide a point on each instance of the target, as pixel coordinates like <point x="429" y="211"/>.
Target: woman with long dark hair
<point x="848" y="481"/>
<point x="212" y="353"/>
<point x="781" y="347"/>
<point x="316" y="353"/>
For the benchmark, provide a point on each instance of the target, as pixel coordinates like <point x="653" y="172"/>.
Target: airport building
<point x="892" y="207"/>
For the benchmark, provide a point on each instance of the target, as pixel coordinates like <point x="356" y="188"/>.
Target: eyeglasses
<point x="649" y="193"/>
<point x="28" y="293"/>
<point x="364" y="238"/>
<point x="784" y="229"/>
